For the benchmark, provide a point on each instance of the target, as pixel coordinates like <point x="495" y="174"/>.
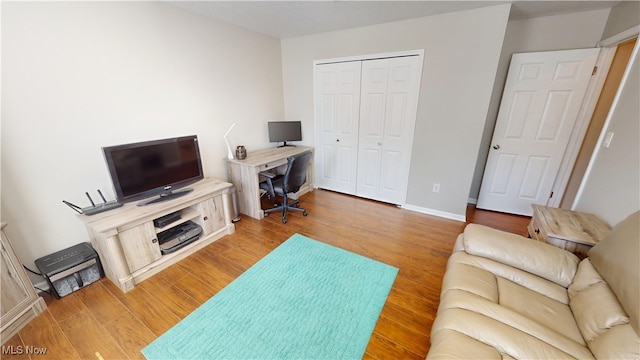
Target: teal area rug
<point x="305" y="300"/>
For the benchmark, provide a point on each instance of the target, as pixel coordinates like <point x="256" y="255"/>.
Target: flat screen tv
<point x="283" y="131"/>
<point x="154" y="168"/>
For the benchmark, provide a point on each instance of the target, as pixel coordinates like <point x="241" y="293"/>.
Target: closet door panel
<point x="368" y="173"/>
<point x="373" y="99"/>
<point x="392" y="178"/>
<point x="389" y="95"/>
<point x="403" y="88"/>
<point x="337" y="115"/>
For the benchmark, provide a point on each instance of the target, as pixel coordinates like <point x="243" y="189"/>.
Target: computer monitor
<point x="283" y="131"/>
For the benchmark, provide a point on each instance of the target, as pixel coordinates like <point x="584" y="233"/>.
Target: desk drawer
<point x="271" y="165"/>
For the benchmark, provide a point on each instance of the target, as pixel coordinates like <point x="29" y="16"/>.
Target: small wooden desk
<point x="570" y="230"/>
<point x="244" y="175"/>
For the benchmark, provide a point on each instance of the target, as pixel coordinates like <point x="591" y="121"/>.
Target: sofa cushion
<point x="521" y="277"/>
<point x="448" y="347"/>
<point x="535" y="257"/>
<point x="550" y="313"/>
<point x="503" y="336"/>
<point x="620" y="342"/>
<point x="595" y="307"/>
<point x="479" y="288"/>
<point x="616" y="259"/>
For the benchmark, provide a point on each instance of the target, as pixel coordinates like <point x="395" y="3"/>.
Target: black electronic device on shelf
<point x="167" y="219"/>
<point x="178" y="236"/>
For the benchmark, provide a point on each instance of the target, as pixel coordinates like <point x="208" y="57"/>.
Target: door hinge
<point x="595" y="70"/>
<point x="551" y="196"/>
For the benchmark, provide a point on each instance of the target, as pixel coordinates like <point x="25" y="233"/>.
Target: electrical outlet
<point x="436" y="187"/>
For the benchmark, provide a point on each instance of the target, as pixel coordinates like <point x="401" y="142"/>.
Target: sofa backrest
<point x="616" y="258"/>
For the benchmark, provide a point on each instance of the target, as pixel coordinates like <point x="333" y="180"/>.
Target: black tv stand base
<point x="165" y="196"/>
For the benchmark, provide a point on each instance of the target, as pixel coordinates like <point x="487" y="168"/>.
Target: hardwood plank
<point x="64" y="309"/>
<point x="14" y="349"/>
<point x="87" y="337"/>
<point x="44" y="332"/>
<point x="206" y="271"/>
<point x="240" y="257"/>
<point x="414" y="341"/>
<point x="196" y="288"/>
<point x="172" y="297"/>
<point x="101" y="302"/>
<point x="154" y="315"/>
<point x="130" y="334"/>
<point x="383" y="348"/>
<point x="418" y="244"/>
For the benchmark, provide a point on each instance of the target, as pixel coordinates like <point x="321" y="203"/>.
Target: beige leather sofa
<point x="505" y="296"/>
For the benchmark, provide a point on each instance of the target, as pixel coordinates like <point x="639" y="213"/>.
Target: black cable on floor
<point x="31" y="271"/>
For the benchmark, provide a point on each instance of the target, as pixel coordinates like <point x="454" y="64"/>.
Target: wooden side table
<point x="570" y="230"/>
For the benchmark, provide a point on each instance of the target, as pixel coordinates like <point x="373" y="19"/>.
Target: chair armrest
<point x="541" y="259"/>
<point x="267" y="174"/>
<point x="268" y="182"/>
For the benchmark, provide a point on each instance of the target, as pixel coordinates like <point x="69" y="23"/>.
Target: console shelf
<point x="126" y="239"/>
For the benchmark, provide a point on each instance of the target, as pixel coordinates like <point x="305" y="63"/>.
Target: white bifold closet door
<point x="388" y="104"/>
<point x="373" y="160"/>
<point x="337" y="111"/>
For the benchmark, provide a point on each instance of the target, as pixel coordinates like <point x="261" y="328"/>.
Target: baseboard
<point x="433" y="212"/>
<point x="472" y="201"/>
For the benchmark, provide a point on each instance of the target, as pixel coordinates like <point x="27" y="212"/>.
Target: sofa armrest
<point x="538" y="258"/>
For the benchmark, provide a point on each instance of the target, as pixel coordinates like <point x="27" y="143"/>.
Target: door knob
<point x="337" y="140"/>
<point x="496" y="147"/>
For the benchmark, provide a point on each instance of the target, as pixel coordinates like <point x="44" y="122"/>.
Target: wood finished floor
<point x="101" y="322"/>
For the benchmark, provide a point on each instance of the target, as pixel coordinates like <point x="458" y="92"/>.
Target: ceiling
<point x="285" y="19"/>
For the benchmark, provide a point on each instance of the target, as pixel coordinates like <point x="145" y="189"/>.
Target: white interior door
<point x="389" y="96"/>
<point x="337" y="115"/>
<point x="540" y="104"/>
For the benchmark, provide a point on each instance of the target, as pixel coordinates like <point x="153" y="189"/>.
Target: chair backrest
<point x="296" y="173"/>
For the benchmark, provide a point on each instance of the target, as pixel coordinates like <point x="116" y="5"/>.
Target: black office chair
<point x="290" y="182"/>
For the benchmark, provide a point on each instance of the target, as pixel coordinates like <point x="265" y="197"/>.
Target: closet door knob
<point x="496" y="147"/>
<point x="337" y="140"/>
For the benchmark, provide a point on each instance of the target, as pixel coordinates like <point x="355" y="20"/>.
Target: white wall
<point x="461" y="58"/>
<point x="77" y="76"/>
<point x="558" y="32"/>
<point x="612" y="186"/>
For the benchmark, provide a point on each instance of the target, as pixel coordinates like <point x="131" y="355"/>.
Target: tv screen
<point x="150" y="168"/>
<point x="283" y="131"/>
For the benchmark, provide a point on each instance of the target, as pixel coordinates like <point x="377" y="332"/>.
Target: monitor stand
<point x="169" y="195"/>
<point x="285" y="144"/>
